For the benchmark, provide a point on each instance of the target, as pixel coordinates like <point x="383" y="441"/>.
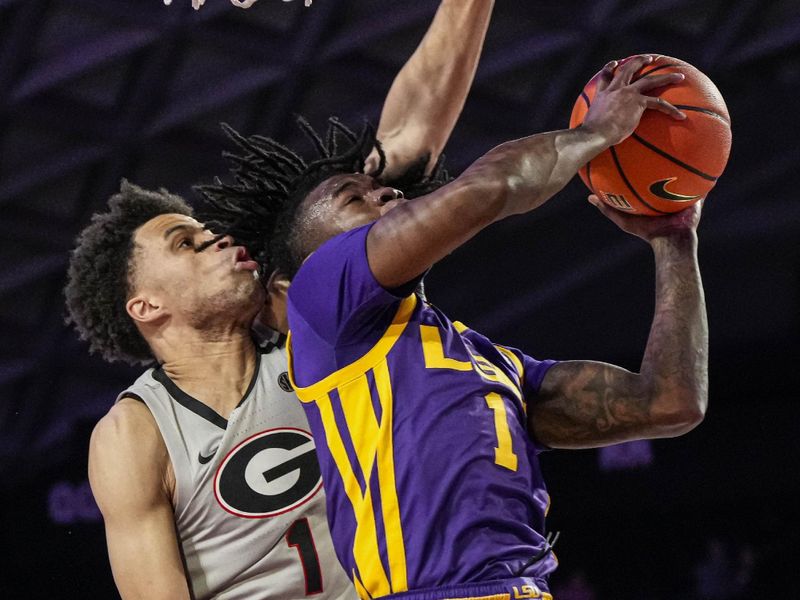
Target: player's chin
<point x="245" y="294"/>
<point x="243" y="280"/>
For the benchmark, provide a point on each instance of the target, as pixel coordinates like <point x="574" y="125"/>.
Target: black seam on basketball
<point x="589" y="176"/>
<point x="671" y="158"/>
<point x="653" y="70"/>
<point x="628" y="183"/>
<point x="705" y="111"/>
<point x="586" y="99"/>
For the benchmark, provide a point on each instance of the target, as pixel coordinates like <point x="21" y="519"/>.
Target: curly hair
<point x="259" y="208"/>
<point x="102" y="268"/>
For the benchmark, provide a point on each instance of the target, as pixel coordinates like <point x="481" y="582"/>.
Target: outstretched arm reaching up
<point x="427" y="95"/>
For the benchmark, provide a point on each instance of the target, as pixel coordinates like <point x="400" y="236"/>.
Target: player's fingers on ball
<point x="651" y="82"/>
<point x="594" y="199"/>
<point x="606" y="210"/>
<point x="665" y="107"/>
<point x="606" y="74"/>
<point x="625" y="73"/>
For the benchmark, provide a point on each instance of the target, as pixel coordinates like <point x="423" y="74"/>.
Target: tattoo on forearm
<point x="590" y="403"/>
<point x="676" y="358"/>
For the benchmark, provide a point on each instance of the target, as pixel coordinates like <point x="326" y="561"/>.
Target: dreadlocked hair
<point x="102" y="269"/>
<point x="270" y="181"/>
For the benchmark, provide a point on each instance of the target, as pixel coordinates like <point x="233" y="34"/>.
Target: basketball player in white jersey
<point x="204" y="469"/>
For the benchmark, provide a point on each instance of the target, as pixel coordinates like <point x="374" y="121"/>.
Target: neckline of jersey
<point x="198" y="407"/>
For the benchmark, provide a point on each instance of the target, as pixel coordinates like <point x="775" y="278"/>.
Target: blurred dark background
<point x="91" y="91"/>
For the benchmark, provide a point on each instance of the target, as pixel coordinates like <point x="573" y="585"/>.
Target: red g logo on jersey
<point x="268" y="474"/>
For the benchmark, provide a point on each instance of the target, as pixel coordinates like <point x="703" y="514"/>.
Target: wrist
<point x="684" y="240"/>
<point x="596" y="139"/>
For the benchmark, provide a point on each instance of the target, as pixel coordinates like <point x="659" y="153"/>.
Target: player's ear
<point x="144" y="309"/>
<point x="278" y="284"/>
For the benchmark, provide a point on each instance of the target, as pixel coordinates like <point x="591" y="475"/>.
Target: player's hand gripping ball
<point x="666" y="164"/>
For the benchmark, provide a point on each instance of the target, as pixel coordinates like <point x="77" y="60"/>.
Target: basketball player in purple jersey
<point x="203" y="469"/>
<point x="427" y="432"/>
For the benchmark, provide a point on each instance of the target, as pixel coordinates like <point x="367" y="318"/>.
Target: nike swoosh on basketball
<point x="659" y="188"/>
<point x="204" y="459"/>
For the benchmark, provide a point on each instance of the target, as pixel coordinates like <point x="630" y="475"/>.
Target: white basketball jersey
<point x="250" y="508"/>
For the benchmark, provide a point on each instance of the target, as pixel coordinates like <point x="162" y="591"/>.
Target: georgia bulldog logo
<point x="268" y="474"/>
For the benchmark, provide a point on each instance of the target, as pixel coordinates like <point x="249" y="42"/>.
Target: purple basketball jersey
<point x="420" y="423"/>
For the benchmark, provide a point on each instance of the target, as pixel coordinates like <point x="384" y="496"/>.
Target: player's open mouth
<point x="243" y="262"/>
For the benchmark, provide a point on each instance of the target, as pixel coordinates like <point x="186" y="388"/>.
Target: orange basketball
<point x="666" y="164"/>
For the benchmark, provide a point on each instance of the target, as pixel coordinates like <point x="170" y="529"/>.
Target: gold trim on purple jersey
<point x="373" y="442"/>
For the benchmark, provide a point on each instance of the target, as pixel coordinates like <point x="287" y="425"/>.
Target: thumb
<point x="594" y="199"/>
<point x="608" y="212"/>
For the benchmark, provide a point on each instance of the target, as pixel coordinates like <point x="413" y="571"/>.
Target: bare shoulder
<point x="128" y="427"/>
<point x="128" y="459"/>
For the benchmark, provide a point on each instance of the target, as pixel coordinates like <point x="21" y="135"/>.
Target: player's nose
<point x="387" y="198"/>
<point x="223" y="242"/>
<point x="385" y="194"/>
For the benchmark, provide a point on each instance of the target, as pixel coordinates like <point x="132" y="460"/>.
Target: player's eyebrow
<point x="344" y="186"/>
<point x="175" y="228"/>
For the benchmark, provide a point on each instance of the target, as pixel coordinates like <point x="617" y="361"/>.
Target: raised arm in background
<point x="427" y="95"/>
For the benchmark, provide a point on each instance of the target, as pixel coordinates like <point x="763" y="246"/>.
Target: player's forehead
<point x="340" y="183"/>
<point x="161" y="227"/>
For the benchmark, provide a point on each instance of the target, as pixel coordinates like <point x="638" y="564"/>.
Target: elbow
<point x="690" y="417"/>
<point x="681" y="411"/>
